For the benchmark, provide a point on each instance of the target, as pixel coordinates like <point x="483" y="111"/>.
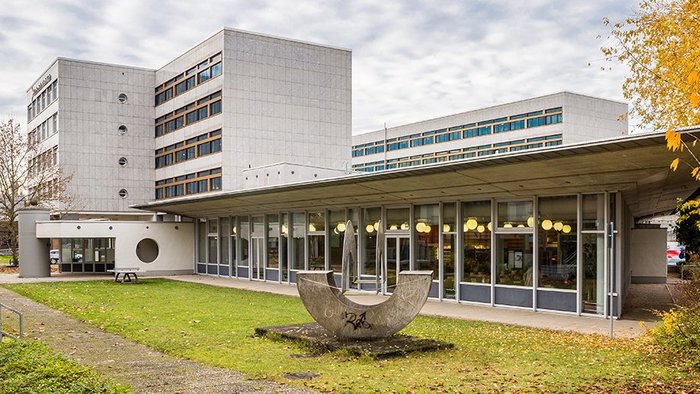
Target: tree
<point x="661" y="46"/>
<point x="687" y="228"/>
<point x="28" y="173"/>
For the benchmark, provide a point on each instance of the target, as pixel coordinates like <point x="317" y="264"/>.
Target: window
<point x="216" y="146"/>
<point x="192" y="117"/>
<point x="216" y="183"/>
<point x="123" y="193"/>
<point x="557" y="229"/>
<point x="514" y="259"/>
<point x="203" y="149"/>
<point x="216" y="70"/>
<point x="203" y="113"/>
<point x="122" y="98"/>
<point x="203" y="76"/>
<point x="216" y="107"/>
<point x="476" y="227"/>
<point x="189" y="83"/>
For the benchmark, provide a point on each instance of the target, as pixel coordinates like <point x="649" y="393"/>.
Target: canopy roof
<point x="636" y="165"/>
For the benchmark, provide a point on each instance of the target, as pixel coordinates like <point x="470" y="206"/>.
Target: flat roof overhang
<point x="636" y="165"/>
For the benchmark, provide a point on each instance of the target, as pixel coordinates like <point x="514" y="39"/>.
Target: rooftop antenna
<point x="385" y="146"/>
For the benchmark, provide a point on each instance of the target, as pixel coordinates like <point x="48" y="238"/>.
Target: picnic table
<point x="127" y="274"/>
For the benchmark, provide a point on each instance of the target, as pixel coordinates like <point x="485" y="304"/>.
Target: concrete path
<point x="144" y="369"/>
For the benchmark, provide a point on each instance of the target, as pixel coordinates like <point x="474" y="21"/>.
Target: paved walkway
<point x="127" y="362"/>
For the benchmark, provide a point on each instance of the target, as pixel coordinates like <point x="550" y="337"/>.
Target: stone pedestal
<point x="33" y="252"/>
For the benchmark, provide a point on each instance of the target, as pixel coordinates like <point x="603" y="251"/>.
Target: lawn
<point x="30" y="367"/>
<point x="215" y="326"/>
<point x="5" y="260"/>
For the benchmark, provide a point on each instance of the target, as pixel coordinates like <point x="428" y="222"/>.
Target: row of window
<point x="464" y="153"/>
<point x="44" y="160"/>
<point x="198" y="110"/>
<point x="543" y="242"/>
<point x="493" y="126"/>
<point x="192" y="148"/>
<point x="196" y="75"/>
<point x="48" y="190"/>
<point x="43" y="131"/>
<point x="48" y="96"/>
<point x="196" y="182"/>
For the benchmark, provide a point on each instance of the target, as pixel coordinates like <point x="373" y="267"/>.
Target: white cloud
<point x="411" y="60"/>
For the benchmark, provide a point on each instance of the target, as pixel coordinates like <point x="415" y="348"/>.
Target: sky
<point x="411" y="60"/>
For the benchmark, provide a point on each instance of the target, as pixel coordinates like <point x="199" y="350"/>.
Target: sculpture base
<point x="319" y="340"/>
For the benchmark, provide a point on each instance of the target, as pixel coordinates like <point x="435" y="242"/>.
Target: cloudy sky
<point x="412" y="60"/>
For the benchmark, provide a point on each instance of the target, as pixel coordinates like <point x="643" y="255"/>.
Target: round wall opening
<point x="147" y="250"/>
<point x="122" y="97"/>
<point x="122" y="129"/>
<point x="123" y="161"/>
<point x="123" y="193"/>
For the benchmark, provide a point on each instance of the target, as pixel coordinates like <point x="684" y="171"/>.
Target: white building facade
<point x="540" y="122"/>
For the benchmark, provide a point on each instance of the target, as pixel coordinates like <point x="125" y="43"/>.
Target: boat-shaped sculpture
<point x="347" y="319"/>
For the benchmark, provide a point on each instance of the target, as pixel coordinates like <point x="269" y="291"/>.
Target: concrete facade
<point x="283" y="101"/>
<point x="88" y="138"/>
<point x="648" y="255"/>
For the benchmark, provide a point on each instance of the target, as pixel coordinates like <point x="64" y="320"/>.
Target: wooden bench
<point x="127" y="274"/>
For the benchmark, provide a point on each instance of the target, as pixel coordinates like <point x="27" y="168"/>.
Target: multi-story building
<point x="247" y="138"/>
<point x="129" y="135"/>
<point x="540" y="122"/>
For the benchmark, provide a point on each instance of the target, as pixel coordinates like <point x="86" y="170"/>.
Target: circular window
<point x="122" y="129"/>
<point x="123" y="97"/>
<point x="147" y="250"/>
<point x="123" y="193"/>
<point x="123" y="161"/>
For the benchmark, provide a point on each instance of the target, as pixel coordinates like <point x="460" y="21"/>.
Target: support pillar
<point x="33" y="252"/>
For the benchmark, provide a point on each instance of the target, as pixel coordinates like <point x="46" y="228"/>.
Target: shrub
<point x="679" y="330"/>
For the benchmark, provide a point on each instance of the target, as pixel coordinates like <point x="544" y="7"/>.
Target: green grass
<point x="215" y="326"/>
<point x="30" y="367"/>
<point x="5" y="260"/>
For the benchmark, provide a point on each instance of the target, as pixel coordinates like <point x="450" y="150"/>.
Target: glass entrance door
<point x="397" y="259"/>
<point x="257" y="266"/>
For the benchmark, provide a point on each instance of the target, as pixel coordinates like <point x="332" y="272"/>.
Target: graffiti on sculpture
<point x="356" y="321"/>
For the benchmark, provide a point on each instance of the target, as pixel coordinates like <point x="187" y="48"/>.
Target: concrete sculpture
<point x="347" y="319"/>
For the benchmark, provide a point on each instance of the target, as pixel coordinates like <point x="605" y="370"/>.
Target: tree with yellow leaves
<point x="661" y="46"/>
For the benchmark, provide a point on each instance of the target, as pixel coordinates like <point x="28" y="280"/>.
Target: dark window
<point x="203" y="186"/>
<point x="216" y="70"/>
<point x="216" y="107"/>
<point x="216" y="146"/>
<point x="181" y="155"/>
<point x="203" y="149"/>
<point x="192" y="117"/>
<point x="189" y="83"/>
<point x="192" y="188"/>
<point x="181" y="87"/>
<point x="203" y="76"/>
<point x="216" y="183"/>
<point x="203" y="113"/>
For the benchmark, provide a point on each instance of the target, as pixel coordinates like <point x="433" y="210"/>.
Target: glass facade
<point x="557" y="234"/>
<point x="86" y="254"/>
<point x="547" y="248"/>
<point x="476" y="227"/>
